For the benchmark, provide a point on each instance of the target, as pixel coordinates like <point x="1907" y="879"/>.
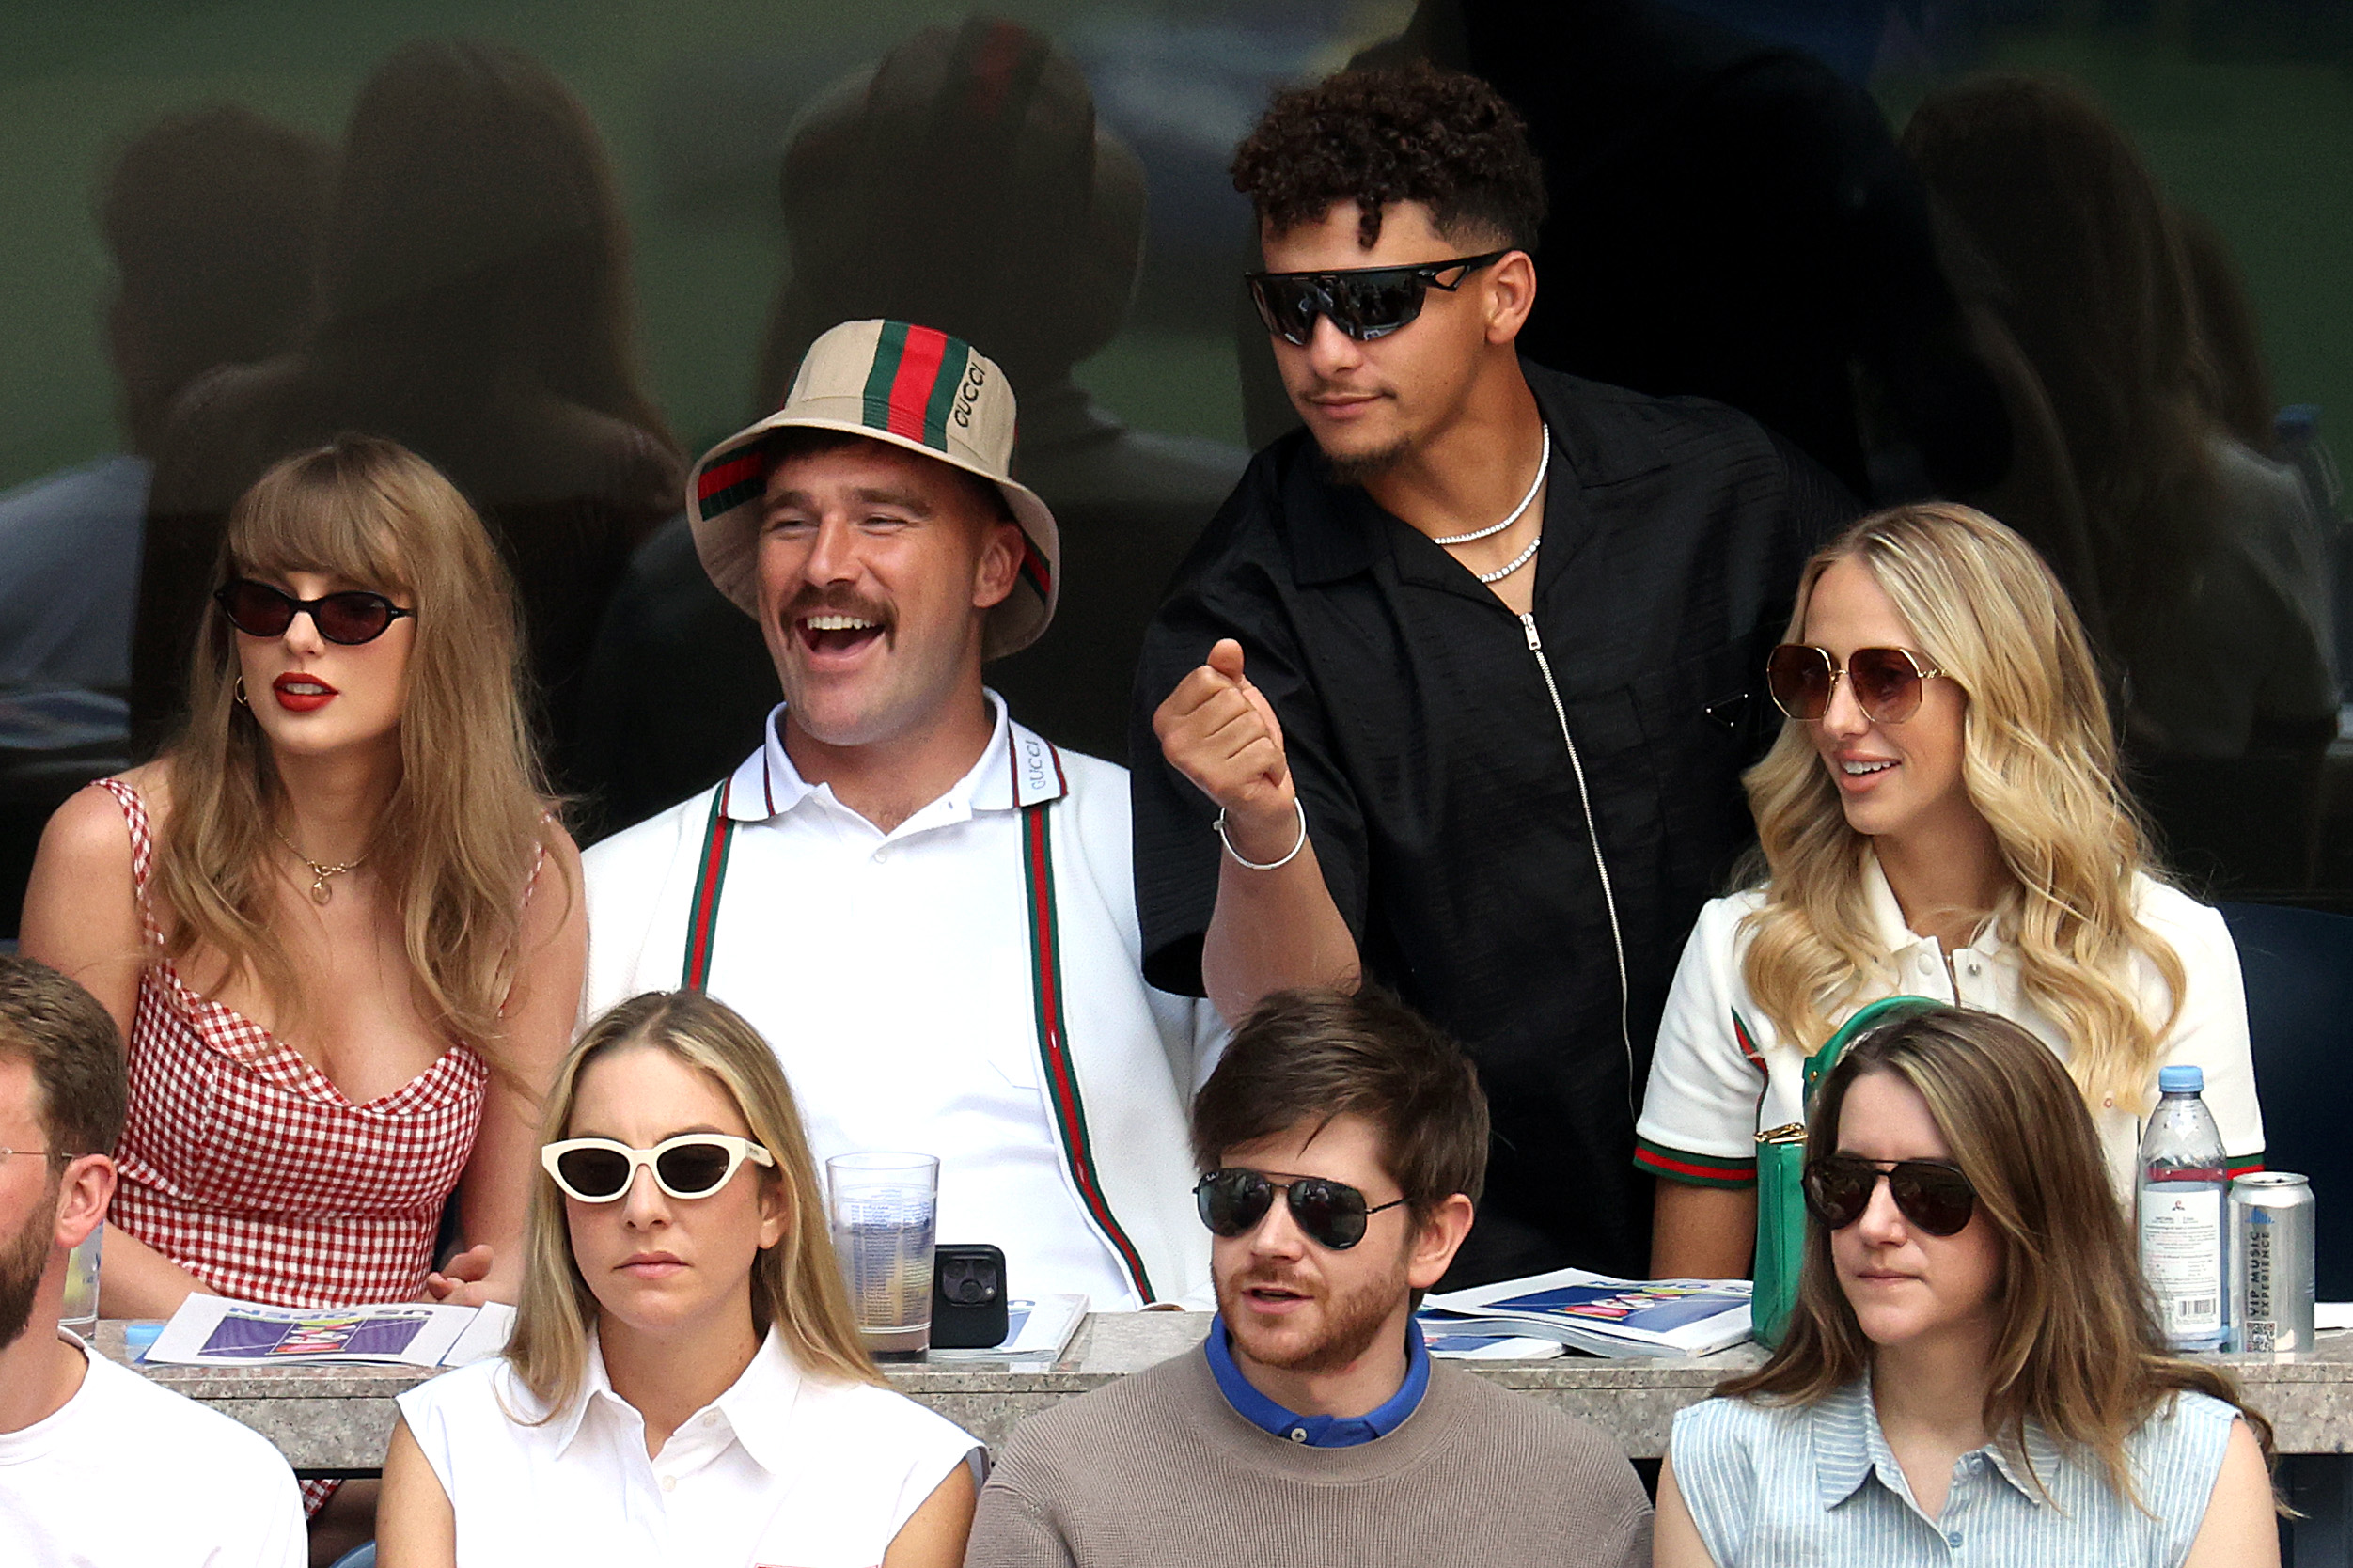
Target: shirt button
<point x="1953" y="1539"/>
<point x="669" y="1483"/>
<point x="881" y="857"/>
<point x="1298" y="1434"/>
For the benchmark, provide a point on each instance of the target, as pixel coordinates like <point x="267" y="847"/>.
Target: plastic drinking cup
<point x="883" y="1209"/>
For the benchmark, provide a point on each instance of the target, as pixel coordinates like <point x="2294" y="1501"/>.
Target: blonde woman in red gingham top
<point x="336" y="920"/>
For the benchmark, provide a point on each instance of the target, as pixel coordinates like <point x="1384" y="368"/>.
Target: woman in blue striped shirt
<point x="1974" y="1364"/>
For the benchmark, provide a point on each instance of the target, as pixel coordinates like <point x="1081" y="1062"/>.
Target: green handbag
<point x="1780" y="1171"/>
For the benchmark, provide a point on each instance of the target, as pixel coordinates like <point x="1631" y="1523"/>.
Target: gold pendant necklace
<point x="319" y="891"/>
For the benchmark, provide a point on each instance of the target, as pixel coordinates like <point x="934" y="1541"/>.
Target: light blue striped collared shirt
<point x="1788" y="1486"/>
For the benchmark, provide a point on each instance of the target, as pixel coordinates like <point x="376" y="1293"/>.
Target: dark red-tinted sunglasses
<point x="351" y="617"/>
<point x="1934" y="1197"/>
<point x="1886" y="680"/>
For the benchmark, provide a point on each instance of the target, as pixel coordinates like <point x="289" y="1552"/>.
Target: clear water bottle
<point x="80" y="1312"/>
<point x="2183" y="1179"/>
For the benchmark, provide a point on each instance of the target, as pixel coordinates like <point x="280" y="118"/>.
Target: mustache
<point x="1321" y="387"/>
<point x="1282" y="1278"/>
<point x="813" y="600"/>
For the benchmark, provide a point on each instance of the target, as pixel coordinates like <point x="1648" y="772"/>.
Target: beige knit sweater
<point x="1158" y="1469"/>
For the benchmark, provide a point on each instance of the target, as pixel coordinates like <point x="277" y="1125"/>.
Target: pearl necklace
<point x="1543" y="463"/>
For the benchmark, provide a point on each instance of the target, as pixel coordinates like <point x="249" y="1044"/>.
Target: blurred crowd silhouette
<point x="1995" y="303"/>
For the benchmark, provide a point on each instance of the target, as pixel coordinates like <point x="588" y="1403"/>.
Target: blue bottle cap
<point x="2181" y="1080"/>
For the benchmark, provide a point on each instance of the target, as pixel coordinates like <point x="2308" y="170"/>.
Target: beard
<point x="1353" y="1320"/>
<point x="23" y="1258"/>
<point x="1356" y="467"/>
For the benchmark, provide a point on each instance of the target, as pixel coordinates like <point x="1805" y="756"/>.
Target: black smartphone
<point x="967" y="1296"/>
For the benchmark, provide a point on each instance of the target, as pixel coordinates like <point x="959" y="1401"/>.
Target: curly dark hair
<point x="1407" y="134"/>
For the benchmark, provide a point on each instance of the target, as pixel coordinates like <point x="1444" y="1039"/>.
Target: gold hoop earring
<point x="241" y="693"/>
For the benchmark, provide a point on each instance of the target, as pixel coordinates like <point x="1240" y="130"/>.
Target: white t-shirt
<point x="131" y="1475"/>
<point x="1708" y="1098"/>
<point x="782" y="1468"/>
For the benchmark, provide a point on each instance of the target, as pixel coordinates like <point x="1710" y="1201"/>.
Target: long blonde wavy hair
<point x="2079" y="1351"/>
<point x="465" y="826"/>
<point x="796" y="1284"/>
<point x="2039" y="763"/>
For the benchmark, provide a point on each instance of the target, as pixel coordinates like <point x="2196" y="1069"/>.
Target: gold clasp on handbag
<point x="1793" y="1132"/>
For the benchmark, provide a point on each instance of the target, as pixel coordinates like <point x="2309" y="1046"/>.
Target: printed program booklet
<point x="1036" y="1330"/>
<point x="1468" y="1339"/>
<point x="218" y="1331"/>
<point x="1601" y="1315"/>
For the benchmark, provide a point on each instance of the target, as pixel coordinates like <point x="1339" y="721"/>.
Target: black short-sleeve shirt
<point x="1445" y="808"/>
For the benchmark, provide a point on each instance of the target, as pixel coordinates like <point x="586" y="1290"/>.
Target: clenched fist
<point x="1220" y="732"/>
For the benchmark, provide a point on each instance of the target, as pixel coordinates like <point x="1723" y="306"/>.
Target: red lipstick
<point x="298" y="693"/>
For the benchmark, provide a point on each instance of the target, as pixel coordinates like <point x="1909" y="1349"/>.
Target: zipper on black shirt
<point x="1592" y="837"/>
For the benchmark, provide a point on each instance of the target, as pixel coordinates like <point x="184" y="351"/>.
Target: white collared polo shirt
<point x="897" y="977"/>
<point x="1722" y="1073"/>
<point x="783" y="1470"/>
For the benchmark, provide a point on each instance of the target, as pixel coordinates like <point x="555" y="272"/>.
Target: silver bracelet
<point x="1301" y="807"/>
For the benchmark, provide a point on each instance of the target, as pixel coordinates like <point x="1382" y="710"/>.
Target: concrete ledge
<point x="340" y="1418"/>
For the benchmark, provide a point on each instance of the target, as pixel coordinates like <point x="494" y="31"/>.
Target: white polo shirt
<point x="895" y="976"/>
<point x="1708" y="1097"/>
<point x="781" y="1469"/>
<point x="130" y="1475"/>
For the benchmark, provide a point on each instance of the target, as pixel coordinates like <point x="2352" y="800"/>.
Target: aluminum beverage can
<point x="2272" y="1263"/>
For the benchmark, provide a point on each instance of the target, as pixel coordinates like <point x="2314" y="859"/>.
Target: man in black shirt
<point x="1464" y="674"/>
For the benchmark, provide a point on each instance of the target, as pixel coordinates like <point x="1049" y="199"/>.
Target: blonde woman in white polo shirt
<point x="1941" y="817"/>
<point x="686" y="1382"/>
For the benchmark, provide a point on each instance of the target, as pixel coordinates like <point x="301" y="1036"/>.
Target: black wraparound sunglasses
<point x="1365" y="302"/>
<point x="351" y="617"/>
<point x="1329" y="1214"/>
<point x="1934" y="1197"/>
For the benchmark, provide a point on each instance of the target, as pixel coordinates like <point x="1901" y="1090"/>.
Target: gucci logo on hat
<point x="910" y="385"/>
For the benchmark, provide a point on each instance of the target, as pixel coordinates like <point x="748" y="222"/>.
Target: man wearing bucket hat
<point x="926" y="908"/>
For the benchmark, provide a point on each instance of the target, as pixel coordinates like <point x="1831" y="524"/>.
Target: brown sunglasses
<point x="1886" y="680"/>
<point x="1933" y="1196"/>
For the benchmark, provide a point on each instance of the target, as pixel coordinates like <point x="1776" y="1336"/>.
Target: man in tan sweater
<point x="1344" y="1141"/>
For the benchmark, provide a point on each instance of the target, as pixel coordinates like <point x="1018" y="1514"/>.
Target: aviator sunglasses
<point x="1365" y="302"/>
<point x="1886" y="680"/>
<point x="1936" y="1198"/>
<point x="1329" y="1214"/>
<point x="692" y="1165"/>
<point x="351" y="617"/>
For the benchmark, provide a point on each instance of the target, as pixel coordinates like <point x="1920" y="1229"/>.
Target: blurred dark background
<point x="193" y="273"/>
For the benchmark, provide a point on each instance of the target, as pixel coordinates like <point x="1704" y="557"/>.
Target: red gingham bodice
<point x="244" y="1165"/>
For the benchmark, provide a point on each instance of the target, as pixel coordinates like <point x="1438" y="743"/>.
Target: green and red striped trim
<point x="911" y="384"/>
<point x="732" y="480"/>
<point x="1699" y="1171"/>
<point x="702" y="916"/>
<point x="1034" y="568"/>
<point x="2245" y="1165"/>
<point x="1070" y="1112"/>
<point x="1746" y="1043"/>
